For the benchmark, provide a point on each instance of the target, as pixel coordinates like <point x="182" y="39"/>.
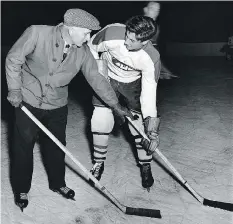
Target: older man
<point x="39" y="68"/>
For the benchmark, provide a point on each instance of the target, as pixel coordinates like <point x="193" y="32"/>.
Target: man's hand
<point x="150" y="146"/>
<point x="15" y="97"/>
<point x="120" y="112"/>
<point x="151" y="125"/>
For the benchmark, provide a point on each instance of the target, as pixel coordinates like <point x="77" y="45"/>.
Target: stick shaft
<point x="199" y="198"/>
<point x="64" y="149"/>
<point x="142" y="133"/>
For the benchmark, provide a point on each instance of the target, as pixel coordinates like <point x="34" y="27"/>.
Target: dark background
<point x="179" y="21"/>
<point x="187" y="22"/>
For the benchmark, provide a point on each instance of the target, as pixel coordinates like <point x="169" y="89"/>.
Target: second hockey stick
<point x="127" y="210"/>
<point x="204" y="201"/>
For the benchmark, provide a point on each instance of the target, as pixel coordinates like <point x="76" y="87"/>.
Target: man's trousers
<point x="25" y="136"/>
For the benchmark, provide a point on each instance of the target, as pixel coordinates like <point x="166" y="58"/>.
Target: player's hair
<point x="144" y="27"/>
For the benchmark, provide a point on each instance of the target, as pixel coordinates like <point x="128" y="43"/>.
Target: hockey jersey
<point x="127" y="66"/>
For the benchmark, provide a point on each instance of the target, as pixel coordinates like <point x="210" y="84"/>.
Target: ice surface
<point x="196" y="136"/>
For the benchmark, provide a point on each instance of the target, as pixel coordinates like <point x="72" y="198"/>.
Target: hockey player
<point x="133" y="68"/>
<point x="152" y="10"/>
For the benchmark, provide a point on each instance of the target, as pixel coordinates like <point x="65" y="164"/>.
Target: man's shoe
<point x="97" y="170"/>
<point x="21" y="200"/>
<point x="65" y="192"/>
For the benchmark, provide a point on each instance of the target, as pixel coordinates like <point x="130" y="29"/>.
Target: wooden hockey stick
<point x="215" y="204"/>
<point x="127" y="210"/>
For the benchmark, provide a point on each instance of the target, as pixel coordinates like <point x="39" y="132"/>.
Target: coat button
<point x="54" y="59"/>
<point x="50" y="73"/>
<point x="47" y="85"/>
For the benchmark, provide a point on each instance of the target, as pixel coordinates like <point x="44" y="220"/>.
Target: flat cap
<point x="81" y="18"/>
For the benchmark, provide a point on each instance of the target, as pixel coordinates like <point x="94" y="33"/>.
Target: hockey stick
<point x="127" y="210"/>
<point x="215" y="204"/>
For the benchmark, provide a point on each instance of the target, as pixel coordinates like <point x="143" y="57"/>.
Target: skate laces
<point x="23" y="196"/>
<point x="96" y="167"/>
<point x="65" y="190"/>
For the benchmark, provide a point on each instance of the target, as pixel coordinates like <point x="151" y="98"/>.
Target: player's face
<point x="131" y="43"/>
<point x="79" y="35"/>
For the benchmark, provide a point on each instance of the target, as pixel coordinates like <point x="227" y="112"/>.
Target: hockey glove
<point x="151" y="125"/>
<point x="15" y="97"/>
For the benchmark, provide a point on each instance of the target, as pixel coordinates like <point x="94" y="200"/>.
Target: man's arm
<point x="148" y="96"/>
<point x="102" y="87"/>
<point x="101" y="41"/>
<point x="14" y="61"/>
<point x="17" y="56"/>
<point x="148" y="99"/>
<point x="97" y="44"/>
<point x="98" y="82"/>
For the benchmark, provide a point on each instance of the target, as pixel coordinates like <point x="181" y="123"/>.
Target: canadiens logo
<point x="123" y="66"/>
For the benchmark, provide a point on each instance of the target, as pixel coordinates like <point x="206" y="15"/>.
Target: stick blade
<point x="218" y="204"/>
<point x="153" y="213"/>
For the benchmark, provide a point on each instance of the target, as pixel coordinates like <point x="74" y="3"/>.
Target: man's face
<point x="152" y="10"/>
<point x="79" y="35"/>
<point x="131" y="43"/>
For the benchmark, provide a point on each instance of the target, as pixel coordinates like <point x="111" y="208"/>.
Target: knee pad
<point x="102" y="120"/>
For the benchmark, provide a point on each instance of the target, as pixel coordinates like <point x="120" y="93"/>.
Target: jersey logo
<point x="122" y="65"/>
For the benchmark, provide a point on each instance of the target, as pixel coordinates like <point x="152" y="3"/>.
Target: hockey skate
<point x="97" y="170"/>
<point x="21" y="200"/>
<point x="147" y="178"/>
<point x="65" y="192"/>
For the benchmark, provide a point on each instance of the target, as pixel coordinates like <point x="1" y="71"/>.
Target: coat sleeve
<point x="97" y="81"/>
<point x="16" y="58"/>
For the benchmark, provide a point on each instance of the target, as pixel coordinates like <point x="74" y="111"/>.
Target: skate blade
<point x="21" y="206"/>
<point x="148" y="189"/>
<point x="73" y="199"/>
